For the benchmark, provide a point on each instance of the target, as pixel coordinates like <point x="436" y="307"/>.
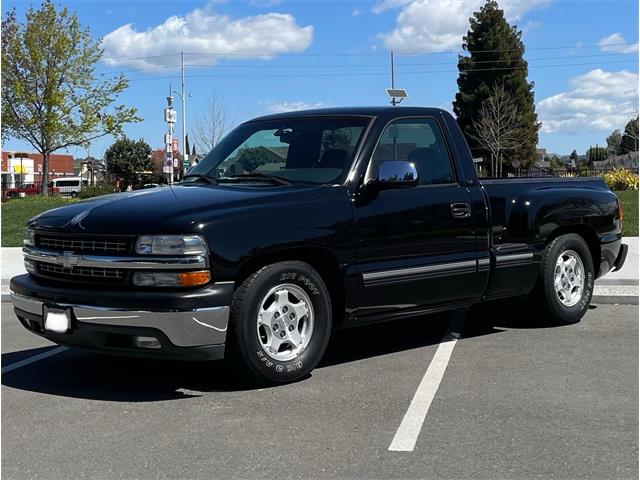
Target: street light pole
<point x="393" y="79"/>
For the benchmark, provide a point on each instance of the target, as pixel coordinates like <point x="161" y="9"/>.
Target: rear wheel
<point x="280" y="322"/>
<point x="566" y="279"/>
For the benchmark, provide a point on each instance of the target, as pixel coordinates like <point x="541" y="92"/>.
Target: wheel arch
<point x="588" y="234"/>
<point x="323" y="261"/>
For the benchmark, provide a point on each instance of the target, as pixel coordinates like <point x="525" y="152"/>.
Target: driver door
<point x="414" y="248"/>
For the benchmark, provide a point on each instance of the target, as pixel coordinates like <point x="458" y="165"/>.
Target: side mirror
<point x="395" y="174"/>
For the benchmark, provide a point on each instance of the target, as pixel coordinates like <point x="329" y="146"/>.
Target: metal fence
<point x="560" y="173"/>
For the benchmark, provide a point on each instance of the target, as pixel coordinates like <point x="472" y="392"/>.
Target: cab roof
<point x="387" y="111"/>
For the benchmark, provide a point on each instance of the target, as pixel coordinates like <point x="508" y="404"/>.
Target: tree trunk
<point x="44" y="190"/>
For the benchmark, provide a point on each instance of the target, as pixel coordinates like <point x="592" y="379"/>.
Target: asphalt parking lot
<point x="518" y="399"/>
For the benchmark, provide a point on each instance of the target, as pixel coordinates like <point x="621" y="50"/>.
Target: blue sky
<point x="263" y="56"/>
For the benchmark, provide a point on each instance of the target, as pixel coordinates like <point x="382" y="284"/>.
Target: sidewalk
<point x="615" y="287"/>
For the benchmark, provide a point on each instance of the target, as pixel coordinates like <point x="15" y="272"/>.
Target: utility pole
<point x="170" y="118"/>
<point x="185" y="154"/>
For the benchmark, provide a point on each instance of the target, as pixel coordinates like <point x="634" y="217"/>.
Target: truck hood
<point x="167" y="209"/>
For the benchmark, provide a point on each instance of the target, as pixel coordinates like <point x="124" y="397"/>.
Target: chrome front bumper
<point x="193" y="328"/>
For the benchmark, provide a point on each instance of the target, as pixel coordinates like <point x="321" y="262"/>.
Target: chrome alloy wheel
<point x="285" y="322"/>
<point x="569" y="278"/>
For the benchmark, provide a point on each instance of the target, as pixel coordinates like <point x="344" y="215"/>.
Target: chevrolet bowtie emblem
<point x="68" y="260"/>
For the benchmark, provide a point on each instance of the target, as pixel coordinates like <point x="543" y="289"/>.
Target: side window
<point x="418" y="141"/>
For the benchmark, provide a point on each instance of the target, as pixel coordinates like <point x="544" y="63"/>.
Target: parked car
<point x="68" y="186"/>
<point x="29" y="189"/>
<point x="299" y="223"/>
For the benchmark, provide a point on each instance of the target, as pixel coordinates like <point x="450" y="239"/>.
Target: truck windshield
<point x="306" y="150"/>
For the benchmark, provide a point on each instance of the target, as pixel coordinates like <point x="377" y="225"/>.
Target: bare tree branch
<point x="212" y="125"/>
<point x="496" y="127"/>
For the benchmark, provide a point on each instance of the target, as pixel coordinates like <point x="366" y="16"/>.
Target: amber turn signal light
<point x="191" y="279"/>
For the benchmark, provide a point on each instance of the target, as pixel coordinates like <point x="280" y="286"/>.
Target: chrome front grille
<point x="82" y="273"/>
<point x="85" y="244"/>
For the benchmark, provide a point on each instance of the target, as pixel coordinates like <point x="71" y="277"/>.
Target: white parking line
<point x="35" y="358"/>
<point x="407" y="434"/>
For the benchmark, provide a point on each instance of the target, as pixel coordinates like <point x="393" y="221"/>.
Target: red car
<point x="29" y="189"/>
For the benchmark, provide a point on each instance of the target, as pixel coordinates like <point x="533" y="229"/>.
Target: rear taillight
<point x="619" y="212"/>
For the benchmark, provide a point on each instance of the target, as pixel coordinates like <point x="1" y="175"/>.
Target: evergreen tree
<point x="629" y="141"/>
<point x="574" y="156"/>
<point x="495" y="55"/>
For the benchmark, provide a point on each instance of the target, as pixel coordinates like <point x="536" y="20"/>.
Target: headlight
<point x="171" y="279"/>
<point x="29" y="238"/>
<point x="171" y="245"/>
<point x="30" y="266"/>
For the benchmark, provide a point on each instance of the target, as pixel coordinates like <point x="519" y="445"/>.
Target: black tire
<point x="547" y="297"/>
<point x="244" y="347"/>
<point x="74" y="194"/>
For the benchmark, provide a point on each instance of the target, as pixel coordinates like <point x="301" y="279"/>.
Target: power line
<point x="357" y="65"/>
<point x="359" y="74"/>
<point x="364" y="54"/>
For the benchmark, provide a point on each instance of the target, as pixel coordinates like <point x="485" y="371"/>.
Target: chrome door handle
<point x="461" y="210"/>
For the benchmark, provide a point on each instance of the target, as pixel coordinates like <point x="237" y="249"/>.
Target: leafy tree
<point x="629" y="141"/>
<point x="50" y="95"/>
<point x="614" y="141"/>
<point x="556" y="163"/>
<point x="127" y="159"/>
<point x="495" y="56"/>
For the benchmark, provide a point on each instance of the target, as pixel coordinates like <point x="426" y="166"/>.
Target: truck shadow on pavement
<point x="77" y="374"/>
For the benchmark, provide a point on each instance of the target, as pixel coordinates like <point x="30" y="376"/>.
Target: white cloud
<point x="210" y="35"/>
<point x="280" y="107"/>
<point x="439" y="25"/>
<point x="356" y="12"/>
<point x="529" y="26"/>
<point x="265" y="3"/>
<point x="616" y="43"/>
<point x="597" y="100"/>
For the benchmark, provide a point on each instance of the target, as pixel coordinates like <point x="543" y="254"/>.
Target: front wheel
<point x="566" y="279"/>
<point x="280" y="322"/>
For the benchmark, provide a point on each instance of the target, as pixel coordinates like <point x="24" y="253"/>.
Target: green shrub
<point x="621" y="179"/>
<point x="96" y="191"/>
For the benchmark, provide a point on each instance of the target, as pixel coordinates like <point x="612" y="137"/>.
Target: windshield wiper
<point x="207" y="178"/>
<point x="274" y="178"/>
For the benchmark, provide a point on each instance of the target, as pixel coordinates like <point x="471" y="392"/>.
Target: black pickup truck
<point x="299" y="223"/>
